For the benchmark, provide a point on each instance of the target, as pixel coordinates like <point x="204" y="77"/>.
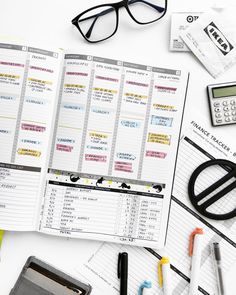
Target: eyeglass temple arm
<point x="96" y="16"/>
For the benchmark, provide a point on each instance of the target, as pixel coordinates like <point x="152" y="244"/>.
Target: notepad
<point x="88" y="144"/>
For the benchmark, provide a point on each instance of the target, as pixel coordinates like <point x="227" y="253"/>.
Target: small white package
<point x="180" y="21"/>
<point x="212" y="38"/>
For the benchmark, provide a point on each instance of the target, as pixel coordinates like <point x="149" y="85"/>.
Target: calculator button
<point x="226" y="114"/>
<point x="226" y="108"/>
<point x="225" y="103"/>
<point x="234" y="118"/>
<point x="233" y="102"/>
<point x="233" y="107"/>
<point x="233" y="113"/>
<point x="217" y="109"/>
<point x="216" y="104"/>
<point x="218" y="120"/>
<point x="218" y="115"/>
<point x="227" y="119"/>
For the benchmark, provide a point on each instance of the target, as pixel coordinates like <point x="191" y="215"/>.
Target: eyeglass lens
<point x="99" y="23"/>
<point x="146" y="11"/>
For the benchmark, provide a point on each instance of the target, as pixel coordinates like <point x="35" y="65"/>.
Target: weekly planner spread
<point x="88" y="144"/>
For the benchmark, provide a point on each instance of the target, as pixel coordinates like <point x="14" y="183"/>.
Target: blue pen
<point x="144" y="288"/>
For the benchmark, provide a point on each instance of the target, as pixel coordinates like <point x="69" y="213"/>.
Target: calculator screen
<point x="224" y="91"/>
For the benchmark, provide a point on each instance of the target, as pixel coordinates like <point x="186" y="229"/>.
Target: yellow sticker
<point x="159" y="138"/>
<point x="136" y="95"/>
<point x="97" y="135"/>
<point x="74" y="85"/>
<point x="40" y="81"/>
<point x="10" y="76"/>
<point x="27" y="152"/>
<point x="105" y="90"/>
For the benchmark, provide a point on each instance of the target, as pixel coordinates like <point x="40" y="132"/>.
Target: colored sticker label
<point x="126" y="156"/>
<point x="32" y="127"/>
<point x="130" y="124"/>
<point x="40" y="81"/>
<point x="64" y="148"/>
<point x="162" y="121"/>
<point x="123" y="166"/>
<point x="159" y="138"/>
<point x="28" y="152"/>
<point x="155" y="154"/>
<point x="166" y="89"/>
<point x="105" y="90"/>
<point x="95" y="158"/>
<point x="164" y="107"/>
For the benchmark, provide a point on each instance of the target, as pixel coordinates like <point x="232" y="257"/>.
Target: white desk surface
<point x="49" y="22"/>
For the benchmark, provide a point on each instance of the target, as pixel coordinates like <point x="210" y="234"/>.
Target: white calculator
<point x="222" y="102"/>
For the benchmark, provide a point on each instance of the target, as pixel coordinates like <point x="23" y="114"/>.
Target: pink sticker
<point x="123" y="166"/>
<point x="64" y="148"/>
<point x="32" y="127"/>
<point x="154" y="154"/>
<point x="95" y="158"/>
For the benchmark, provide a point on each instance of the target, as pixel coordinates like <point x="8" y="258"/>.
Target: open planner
<point x="88" y="145"/>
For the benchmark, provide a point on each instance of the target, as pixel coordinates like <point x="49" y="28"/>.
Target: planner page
<point x="28" y="87"/>
<point x="197" y="145"/>
<point x="121" y="120"/>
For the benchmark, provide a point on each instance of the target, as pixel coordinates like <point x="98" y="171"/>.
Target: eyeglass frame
<point x="116" y="6"/>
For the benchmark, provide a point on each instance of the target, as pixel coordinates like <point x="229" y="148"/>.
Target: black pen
<point x="218" y="267"/>
<point x="122" y="272"/>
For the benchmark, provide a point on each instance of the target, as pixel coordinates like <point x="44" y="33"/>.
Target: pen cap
<point x="216" y="251"/>
<point x="145" y="287"/>
<point x="122" y="263"/>
<point x="197" y="231"/>
<point x="164" y="262"/>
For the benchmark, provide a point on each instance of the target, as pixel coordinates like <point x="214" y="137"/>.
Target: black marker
<point x="122" y="272"/>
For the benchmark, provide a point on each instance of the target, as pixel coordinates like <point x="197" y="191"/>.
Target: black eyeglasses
<point x="101" y="22"/>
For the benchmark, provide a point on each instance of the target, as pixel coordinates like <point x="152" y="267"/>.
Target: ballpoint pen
<point x="164" y="275"/>
<point x="122" y="272"/>
<point x="218" y="269"/>
<point x="145" y="288"/>
<point x="195" y="251"/>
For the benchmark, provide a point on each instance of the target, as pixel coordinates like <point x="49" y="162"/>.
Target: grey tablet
<point x="39" y="278"/>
